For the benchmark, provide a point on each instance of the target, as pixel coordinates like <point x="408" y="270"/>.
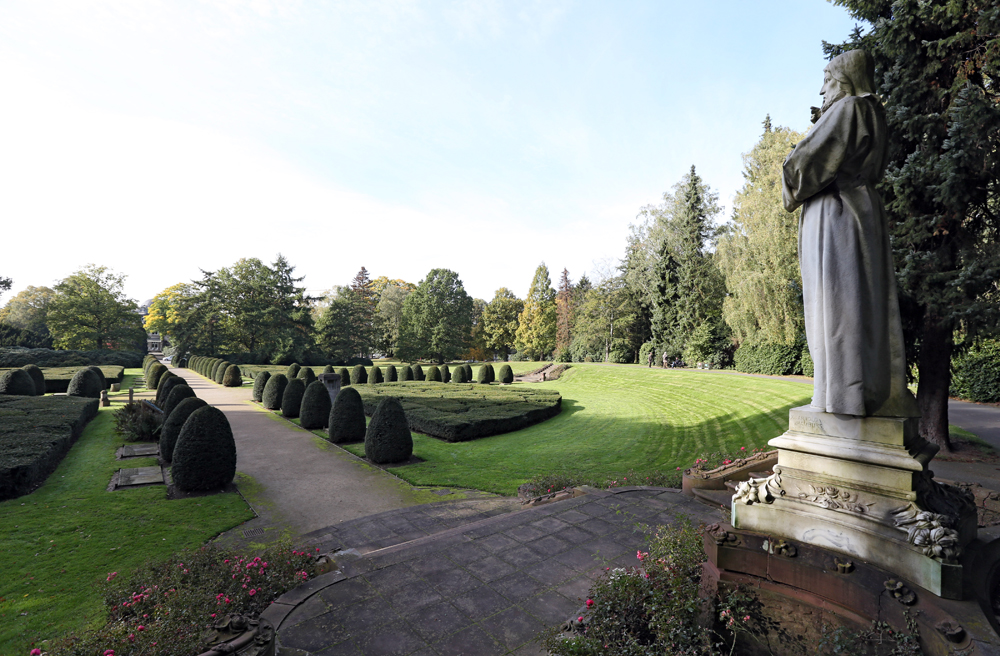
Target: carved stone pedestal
<point x="860" y="486"/>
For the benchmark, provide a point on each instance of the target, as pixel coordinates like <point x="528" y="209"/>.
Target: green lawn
<point x="615" y="419"/>
<point x="70" y="533"/>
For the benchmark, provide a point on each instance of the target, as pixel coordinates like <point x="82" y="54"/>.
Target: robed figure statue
<point x="848" y="284"/>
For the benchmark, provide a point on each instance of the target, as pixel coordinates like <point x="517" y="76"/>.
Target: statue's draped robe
<point x="848" y="283"/>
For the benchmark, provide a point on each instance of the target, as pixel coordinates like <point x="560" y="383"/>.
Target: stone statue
<point x="848" y="284"/>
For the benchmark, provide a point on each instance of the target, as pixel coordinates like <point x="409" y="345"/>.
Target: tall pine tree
<point x="564" y="309"/>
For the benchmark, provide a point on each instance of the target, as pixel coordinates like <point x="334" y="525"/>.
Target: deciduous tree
<point x="91" y="311"/>
<point x="500" y="320"/>
<point x="28" y="309"/>
<point x="536" y="330"/>
<point x="437" y="318"/>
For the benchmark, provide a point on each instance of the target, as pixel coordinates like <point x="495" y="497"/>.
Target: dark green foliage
<point x="418" y="372"/>
<point x="104" y="382"/>
<point x="307" y="375"/>
<point x="328" y="369"/>
<point x="460" y="413"/>
<point x="436" y="318"/>
<point x="769" y="359"/>
<point x="232" y="377"/>
<point x="212" y="368"/>
<point x="459" y="376"/>
<point x="85" y="383"/>
<point x="390" y="374"/>
<point x="347" y="417"/>
<point x="976" y="373"/>
<point x="57" y="379"/>
<point x="359" y="375"/>
<point x="433" y="374"/>
<point x="367" y="362"/>
<point x="291" y="400"/>
<point x="220" y="371"/>
<point x="806" y="362"/>
<point x="35" y="434"/>
<point x="153" y="374"/>
<point x="506" y="375"/>
<point x="205" y="454"/>
<point x="406" y="373"/>
<point x="164" y="379"/>
<point x="345" y="376"/>
<point x="37" y="377"/>
<point x="138" y="422"/>
<point x="173" y="424"/>
<point x="468" y="372"/>
<point x="177" y="394"/>
<point x="259" y="382"/>
<point x="315" y="409"/>
<point x="163" y="389"/>
<point x="485" y="374"/>
<point x="445" y="374"/>
<point x="17" y="382"/>
<point x="14" y="336"/>
<point x="375" y="376"/>
<point x="293" y="370"/>
<point x="18" y="357"/>
<point x="388" y="438"/>
<point x="274" y="391"/>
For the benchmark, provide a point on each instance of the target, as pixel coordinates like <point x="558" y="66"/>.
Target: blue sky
<point x="160" y="138"/>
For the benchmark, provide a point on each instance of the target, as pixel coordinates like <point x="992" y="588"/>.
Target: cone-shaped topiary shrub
<point x="359" y="375"/>
<point x="492" y="372"/>
<point x="291" y="400"/>
<point x="483" y="375"/>
<point x="388" y="436"/>
<point x="347" y="417"/>
<point x="433" y="374"/>
<point x="163" y="389"/>
<point x="274" y="391"/>
<point x="84" y="383"/>
<point x="307" y="375"/>
<point x="205" y="454"/>
<point x="390" y="374"/>
<point x="220" y="371"/>
<point x="506" y="375"/>
<point x="258" y="385"/>
<point x="293" y="370"/>
<point x="445" y="374"/>
<point x="174" y="422"/>
<point x="328" y="369"/>
<point x="214" y="373"/>
<point x="233" y="377"/>
<point x="17" y="382"/>
<point x="153" y="374"/>
<point x="459" y="376"/>
<point x="468" y="372"/>
<point x="375" y="376"/>
<point x="315" y="410"/>
<point x="37" y="377"/>
<point x="177" y="394"/>
<point x="418" y="372"/>
<point x="345" y="376"/>
<point x="104" y="381"/>
<point x="406" y="373"/>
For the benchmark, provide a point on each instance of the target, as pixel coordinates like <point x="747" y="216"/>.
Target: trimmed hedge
<point x="975" y="374"/>
<point x="445" y="374"/>
<point x="506" y="374"/>
<point x="37" y="377"/>
<point x="485" y="375"/>
<point x="220" y="371"/>
<point x="232" y="377"/>
<point x="17" y="382"/>
<point x="418" y="372"/>
<point x="56" y="379"/>
<point x="468" y="372"/>
<point x="177" y="394"/>
<point x="359" y="375"/>
<point x="459" y="376"/>
<point x="328" y="369"/>
<point x="388" y="438"/>
<point x="153" y="375"/>
<point x="406" y="373"/>
<point x="85" y="383"/>
<point x="315" y="409"/>
<point x="347" y="417"/>
<point x="259" y="381"/>
<point x="35" y="435"/>
<point x="458" y="414"/>
<point x="375" y="377"/>
<point x="768" y="359"/>
<point x="18" y="357"/>
<point x="163" y="389"/>
<point x="174" y="423"/>
<point x="205" y="454"/>
<point x="433" y="374"/>
<point x="274" y="391"/>
<point x="291" y="399"/>
<point x="390" y="374"/>
<point x="104" y="381"/>
<point x="293" y="370"/>
<point x="307" y="375"/>
<point x="345" y="376"/>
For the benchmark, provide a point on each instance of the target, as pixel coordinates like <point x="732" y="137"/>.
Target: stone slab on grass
<point x="138" y="451"/>
<point x="139" y="476"/>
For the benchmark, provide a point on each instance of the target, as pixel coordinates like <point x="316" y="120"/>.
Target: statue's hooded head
<point x="849" y="74"/>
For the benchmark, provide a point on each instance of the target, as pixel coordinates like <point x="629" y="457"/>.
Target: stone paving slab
<point x="138" y="476"/>
<point x="139" y="451"/>
<point x="487" y="587"/>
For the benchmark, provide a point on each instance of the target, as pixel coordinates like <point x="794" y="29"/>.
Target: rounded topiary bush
<point x="274" y="391"/>
<point x="104" y="381"/>
<point x="84" y="383"/>
<point x="406" y="373"/>
<point x="163" y="389"/>
<point x="258" y="385"/>
<point x="307" y="375"/>
<point x="345" y="376"/>
<point x="433" y="374"/>
<point x="388" y="436"/>
<point x="233" y="377"/>
<point x="293" y="370"/>
<point x="328" y="369"/>
<point x="204" y="457"/>
<point x="220" y="371"/>
<point x="213" y="372"/>
<point x="506" y="375"/>
<point x="445" y="374"/>
<point x="492" y="372"/>
<point x="483" y="375"/>
<point x="153" y="375"/>
<point x="390" y="374"/>
<point x="418" y="372"/>
<point x="174" y="422"/>
<point x="347" y="417"/>
<point x="459" y="376"/>
<point x="177" y="394"/>
<point x="37" y="377"/>
<point x="359" y="375"/>
<point x="468" y="372"/>
<point x="17" y="382"/>
<point x="375" y="376"/>
<point x="315" y="409"/>
<point x="291" y="400"/>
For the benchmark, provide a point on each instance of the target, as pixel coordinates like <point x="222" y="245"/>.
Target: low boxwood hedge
<point x="47" y="358"/>
<point x="461" y="413"/>
<point x="35" y="433"/>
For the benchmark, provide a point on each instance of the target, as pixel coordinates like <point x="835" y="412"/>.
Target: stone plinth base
<point x="860" y="486"/>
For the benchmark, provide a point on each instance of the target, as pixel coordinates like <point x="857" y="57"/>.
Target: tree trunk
<point x="935" y="380"/>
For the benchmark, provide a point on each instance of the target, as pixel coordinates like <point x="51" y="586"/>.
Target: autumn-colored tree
<point x="164" y="313"/>
<point x="536" y="330"/>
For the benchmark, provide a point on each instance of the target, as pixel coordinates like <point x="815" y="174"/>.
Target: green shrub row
<point x="18" y="357"/>
<point x="772" y="359"/>
<point x="35" y="435"/>
<point x="975" y="373"/>
<point x="56" y="379"/>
